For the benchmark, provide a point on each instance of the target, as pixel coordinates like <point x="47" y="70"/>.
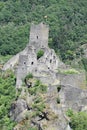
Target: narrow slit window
<point x="50" y="60"/>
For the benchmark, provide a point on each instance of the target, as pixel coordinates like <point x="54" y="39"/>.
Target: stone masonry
<point x="27" y="59"/>
<point x="29" y="62"/>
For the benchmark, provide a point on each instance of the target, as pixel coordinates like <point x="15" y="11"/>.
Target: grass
<point x="4" y="59"/>
<point x="38" y="88"/>
<point x="69" y="71"/>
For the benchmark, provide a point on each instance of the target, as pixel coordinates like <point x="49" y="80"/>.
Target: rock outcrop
<point x="18" y="109"/>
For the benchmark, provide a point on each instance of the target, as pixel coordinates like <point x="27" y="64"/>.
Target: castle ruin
<point x="45" y="69"/>
<point x="27" y="61"/>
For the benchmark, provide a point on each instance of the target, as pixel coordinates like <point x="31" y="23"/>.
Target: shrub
<point x="7" y="96"/>
<point x="79" y="121"/>
<point x="84" y="61"/>
<point x="69" y="112"/>
<point x="29" y="76"/>
<point x="38" y="88"/>
<point x="40" y="53"/>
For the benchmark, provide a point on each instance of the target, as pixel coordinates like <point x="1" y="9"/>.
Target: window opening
<point x="24" y="62"/>
<point x="50" y="60"/>
<point x="32" y="63"/>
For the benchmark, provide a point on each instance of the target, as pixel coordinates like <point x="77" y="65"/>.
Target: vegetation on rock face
<point x="40" y="53"/>
<point x="37" y="88"/>
<point x="69" y="71"/>
<point x="78" y="120"/>
<point x="7" y="96"/>
<point x="29" y="76"/>
<point x="36" y="107"/>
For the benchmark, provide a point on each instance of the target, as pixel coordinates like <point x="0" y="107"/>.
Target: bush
<point x="84" y="61"/>
<point x="29" y="76"/>
<point x="69" y="112"/>
<point x="38" y="88"/>
<point x="40" y="53"/>
<point x="79" y="121"/>
<point x="7" y="96"/>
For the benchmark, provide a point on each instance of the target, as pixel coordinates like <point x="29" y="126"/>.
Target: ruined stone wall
<point x="11" y="62"/>
<point x="14" y="60"/>
<point x="49" y="59"/>
<point x="75" y="80"/>
<point x="22" y="70"/>
<point x="74" y="98"/>
<point x="32" y="60"/>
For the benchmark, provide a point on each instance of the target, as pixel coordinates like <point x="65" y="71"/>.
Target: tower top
<point x="39" y="35"/>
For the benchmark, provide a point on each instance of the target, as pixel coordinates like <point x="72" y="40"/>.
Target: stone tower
<point x="39" y="35"/>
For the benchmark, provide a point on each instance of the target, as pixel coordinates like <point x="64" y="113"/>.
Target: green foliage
<point x="69" y="71"/>
<point x="69" y="112"/>
<point x="38" y="88"/>
<point x="32" y="128"/>
<point x="79" y="121"/>
<point x="29" y="76"/>
<point x="4" y="59"/>
<point x="7" y="96"/>
<point x="40" y="53"/>
<point x="11" y="37"/>
<point x="67" y="21"/>
<point x="38" y="105"/>
<point x="84" y="61"/>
